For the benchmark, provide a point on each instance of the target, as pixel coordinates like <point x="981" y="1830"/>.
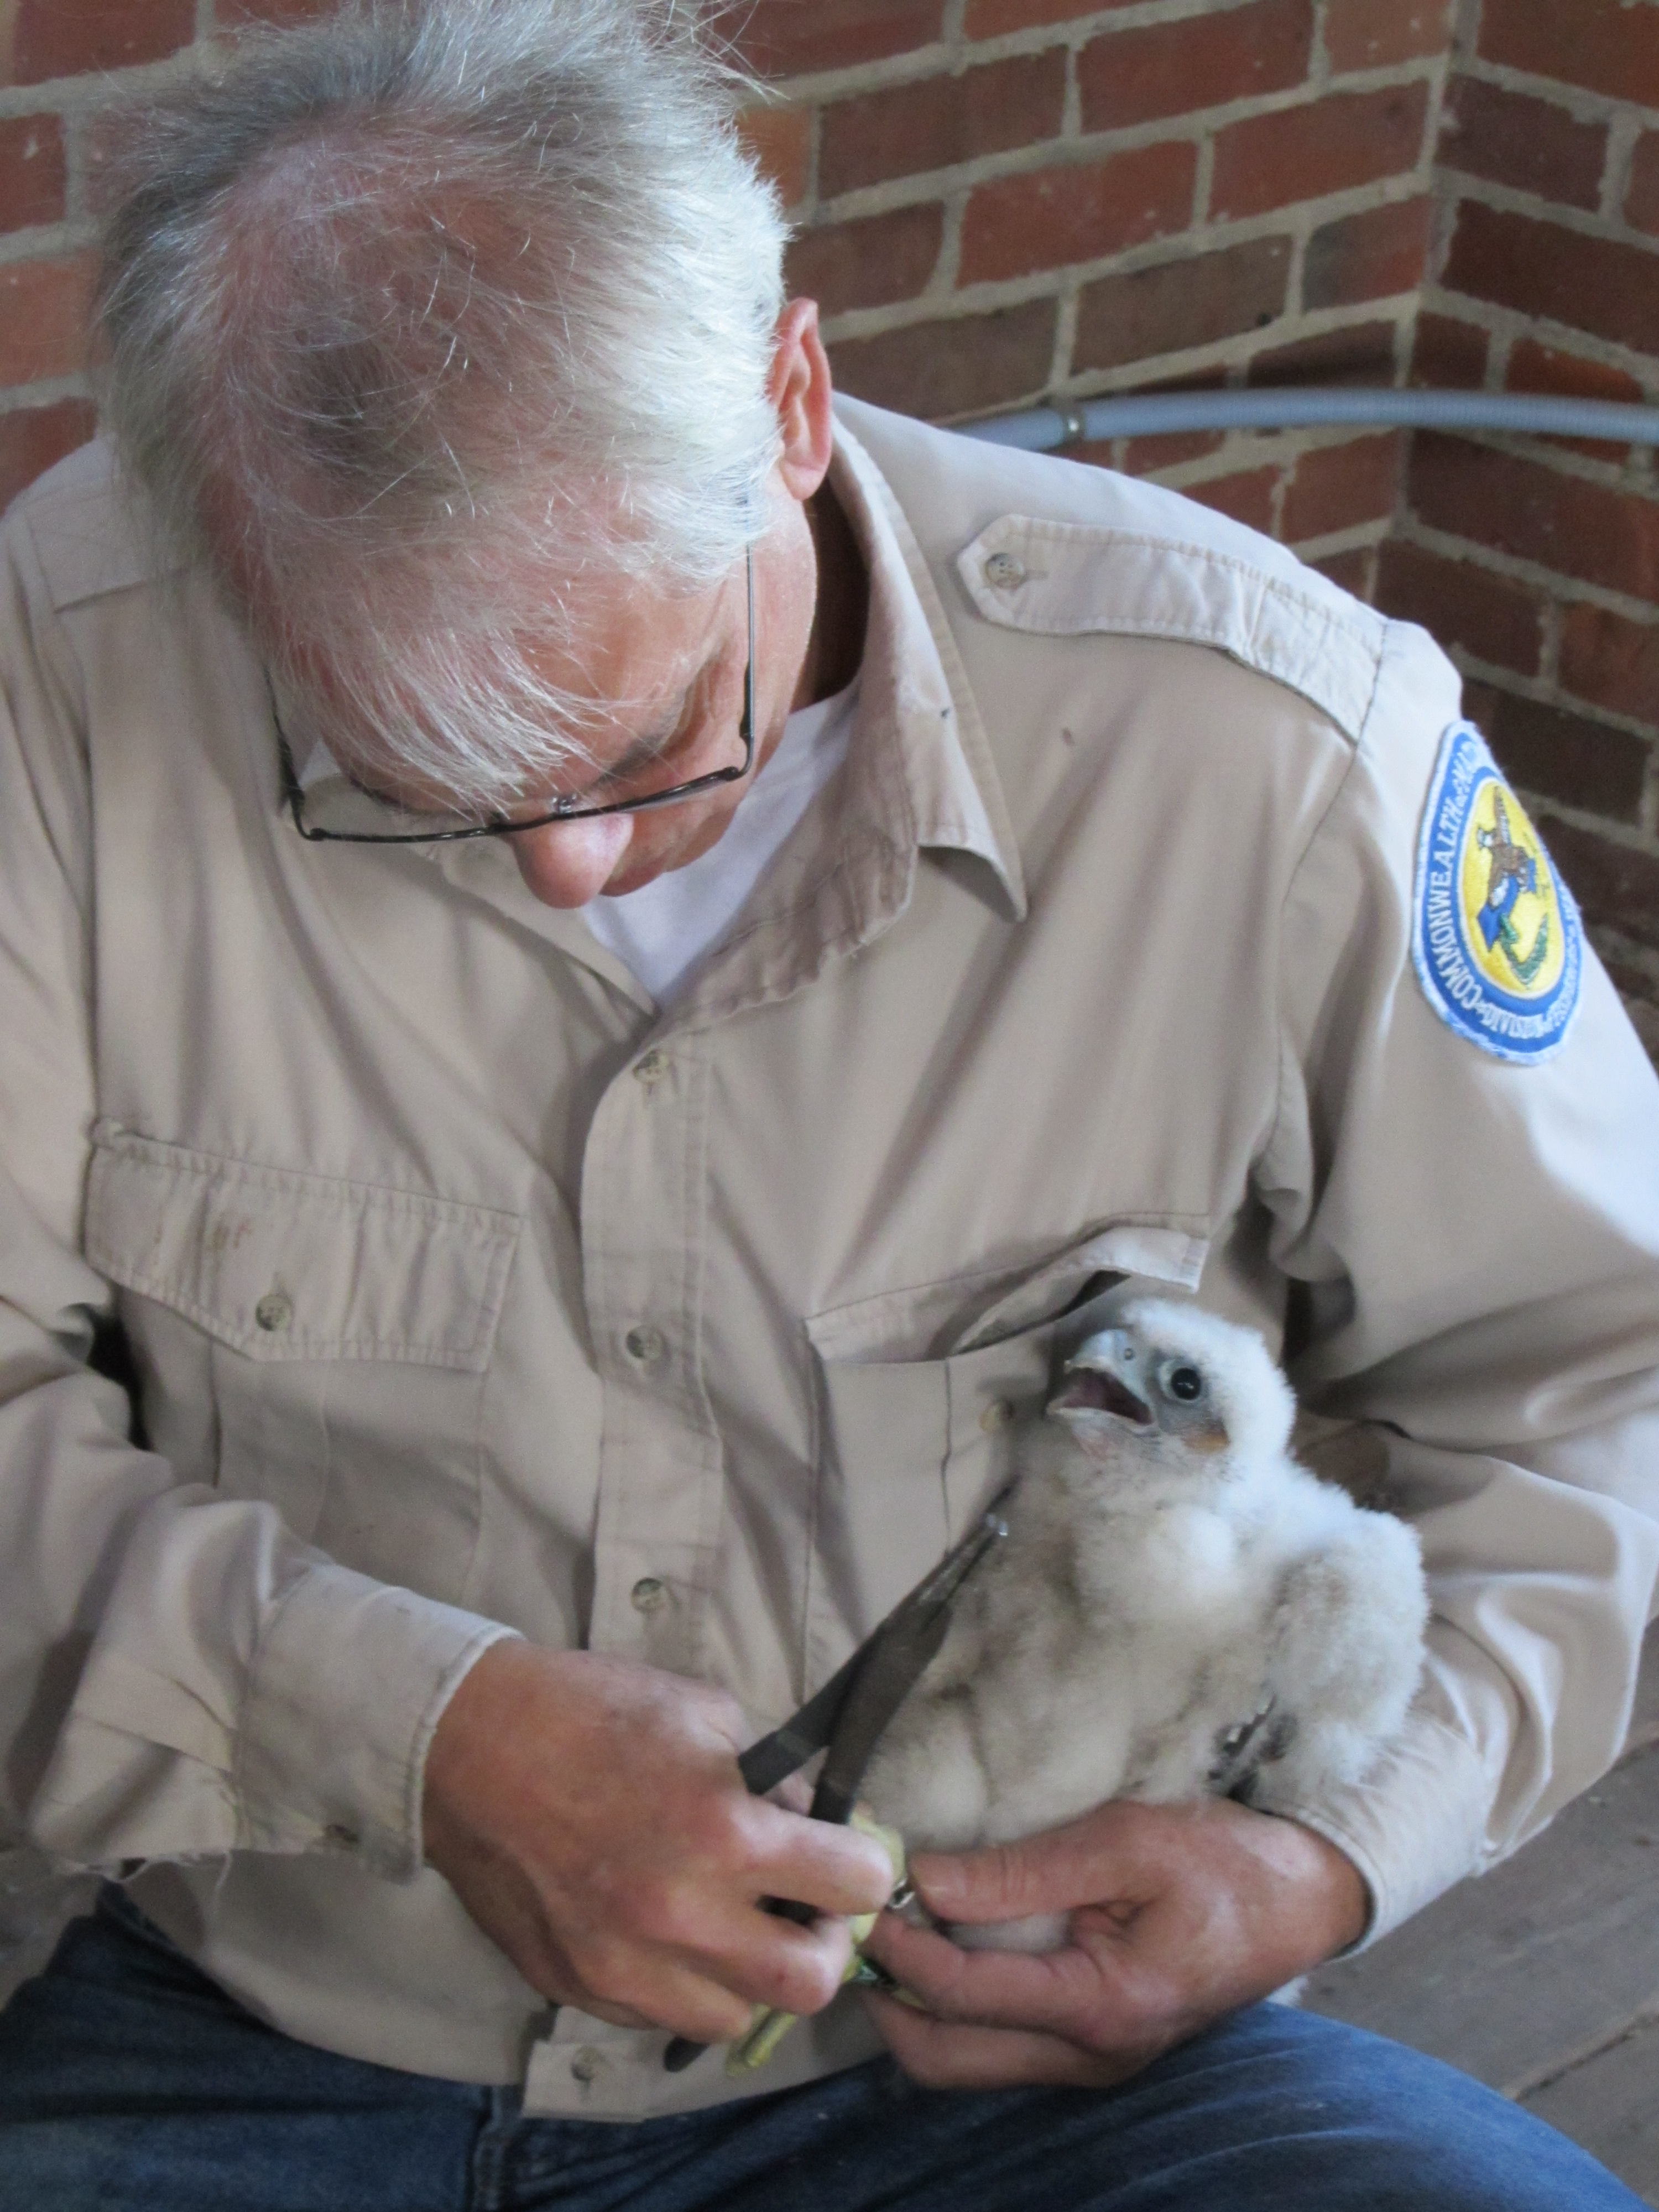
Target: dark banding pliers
<point x="845" y="1719"/>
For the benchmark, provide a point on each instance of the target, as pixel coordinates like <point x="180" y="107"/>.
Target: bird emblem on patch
<point x="1496" y="937"/>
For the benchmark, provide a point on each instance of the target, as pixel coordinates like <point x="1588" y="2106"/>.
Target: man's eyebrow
<point x="648" y="748"/>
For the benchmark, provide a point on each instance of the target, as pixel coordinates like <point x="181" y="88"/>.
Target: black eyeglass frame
<point x="565" y="810"/>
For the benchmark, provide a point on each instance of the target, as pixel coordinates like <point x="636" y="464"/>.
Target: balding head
<point x="424" y="323"/>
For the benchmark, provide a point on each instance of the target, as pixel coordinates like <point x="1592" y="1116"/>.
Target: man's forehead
<point x="632" y="652"/>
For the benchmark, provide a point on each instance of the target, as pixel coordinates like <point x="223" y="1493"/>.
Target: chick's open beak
<point x="1096" y="1383"/>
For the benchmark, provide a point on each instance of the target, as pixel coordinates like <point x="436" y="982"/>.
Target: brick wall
<point x="1000" y="201"/>
<point x="1537" y="560"/>
<point x="1006" y="200"/>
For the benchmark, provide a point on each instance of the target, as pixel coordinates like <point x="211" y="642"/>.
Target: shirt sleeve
<point x="180" y="1675"/>
<point x="1473" y="1245"/>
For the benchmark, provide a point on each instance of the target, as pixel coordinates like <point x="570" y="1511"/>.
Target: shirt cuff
<point x="1414" y="1828"/>
<point x="349" y="1680"/>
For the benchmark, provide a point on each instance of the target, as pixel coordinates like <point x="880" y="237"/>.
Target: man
<point x="602" y="966"/>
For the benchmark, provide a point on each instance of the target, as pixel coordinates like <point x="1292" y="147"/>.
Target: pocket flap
<point x="933" y="1320"/>
<point x="1160" y="1250"/>
<point x="281" y="1264"/>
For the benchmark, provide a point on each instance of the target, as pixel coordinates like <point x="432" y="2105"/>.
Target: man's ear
<point x="799" y="387"/>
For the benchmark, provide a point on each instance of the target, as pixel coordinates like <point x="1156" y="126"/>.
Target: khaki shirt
<point x="471" y="1294"/>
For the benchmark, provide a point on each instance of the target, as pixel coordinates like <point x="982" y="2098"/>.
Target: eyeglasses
<point x="336" y="809"/>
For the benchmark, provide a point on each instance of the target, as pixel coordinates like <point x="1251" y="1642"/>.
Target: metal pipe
<point x="1040" y="429"/>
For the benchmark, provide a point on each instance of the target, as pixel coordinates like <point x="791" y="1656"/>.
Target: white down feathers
<point x="1178" y="1609"/>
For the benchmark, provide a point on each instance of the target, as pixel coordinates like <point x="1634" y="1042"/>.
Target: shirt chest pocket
<point x="910" y="1450"/>
<point x="340" y="1332"/>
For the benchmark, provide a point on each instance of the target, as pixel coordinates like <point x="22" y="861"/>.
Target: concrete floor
<point x="1541" y="1978"/>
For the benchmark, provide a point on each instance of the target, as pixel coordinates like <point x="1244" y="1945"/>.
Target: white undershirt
<point x="662" y="931"/>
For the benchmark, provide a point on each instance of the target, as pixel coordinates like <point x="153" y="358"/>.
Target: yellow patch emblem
<point x="1496" y="940"/>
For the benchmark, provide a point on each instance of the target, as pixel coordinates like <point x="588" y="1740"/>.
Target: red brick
<point x="1193" y="301"/>
<point x="1383" y="249"/>
<point x="1361" y="353"/>
<point x="1561" y="756"/>
<point x="1641" y="996"/>
<point x="1052" y="218"/>
<point x="1642" y="199"/>
<point x="1644" y="1012"/>
<point x="1361" y="34"/>
<point x="786" y="38"/>
<point x="43" y="317"/>
<point x="70" y="38"/>
<point x="1537" y="367"/>
<point x="990" y="18"/>
<point x="1168" y="449"/>
<point x="941" y="121"/>
<point x="32" y="172"/>
<point x="105" y="139"/>
<point x="1248" y="496"/>
<point x="1462" y="604"/>
<point x="779" y="139"/>
<point x="1640" y="992"/>
<point x="1590" y="283"/>
<point x="1144" y="457"/>
<point x="1354" y="570"/>
<point x="873" y="264"/>
<point x="1203" y="61"/>
<point x="1606" y="45"/>
<point x="1522" y="506"/>
<point x="1334" y="487"/>
<point x="1615" y="885"/>
<point x="1611" y="661"/>
<point x="967" y="366"/>
<point x="1331" y="145"/>
<point x="1516" y="140"/>
<point x="234" y="15"/>
<point x="33" y="438"/>
<point x="1449" y="353"/>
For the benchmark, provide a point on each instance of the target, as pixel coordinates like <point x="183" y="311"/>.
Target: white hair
<point x="419" y="319"/>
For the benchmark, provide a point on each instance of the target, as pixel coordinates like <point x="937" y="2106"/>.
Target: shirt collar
<point x="919" y="777"/>
<point x="915" y="699"/>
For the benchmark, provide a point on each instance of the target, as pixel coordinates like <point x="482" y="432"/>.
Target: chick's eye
<point x="1182" y="1382"/>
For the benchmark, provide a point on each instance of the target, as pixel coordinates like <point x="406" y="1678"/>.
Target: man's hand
<point x="590" y="1815"/>
<point x="1179" y="1913"/>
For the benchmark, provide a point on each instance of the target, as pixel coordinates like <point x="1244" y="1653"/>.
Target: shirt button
<point x="1005" y="572"/>
<point x="651" y="1067"/>
<point x="998" y="1414"/>
<point x="586" y="2062"/>
<point x="646" y="1345"/>
<point x="274" y="1311"/>
<point x="649" y="1594"/>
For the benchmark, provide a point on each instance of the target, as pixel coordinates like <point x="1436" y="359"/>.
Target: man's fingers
<point x="1016" y="1989"/>
<point x="777" y="1962"/>
<point x="794" y="1793"/>
<point x="942" y="2055"/>
<point x="832" y="1868"/>
<point x="665" y="1994"/>
<point x="710" y="1993"/>
<point x="617" y="2015"/>
<point x="1047" y="1873"/>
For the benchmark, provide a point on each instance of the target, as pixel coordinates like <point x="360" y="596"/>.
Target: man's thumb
<point x="1002" y="1881"/>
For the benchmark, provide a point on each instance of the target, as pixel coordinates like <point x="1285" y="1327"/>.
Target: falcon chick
<point x="1178" y="1610"/>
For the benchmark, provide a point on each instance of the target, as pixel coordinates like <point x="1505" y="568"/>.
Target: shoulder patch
<point x="1496" y="937"/>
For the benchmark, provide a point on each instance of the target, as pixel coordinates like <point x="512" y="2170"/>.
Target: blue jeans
<point x="131" y="2083"/>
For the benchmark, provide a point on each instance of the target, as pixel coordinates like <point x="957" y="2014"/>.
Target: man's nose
<point x="568" y="863"/>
